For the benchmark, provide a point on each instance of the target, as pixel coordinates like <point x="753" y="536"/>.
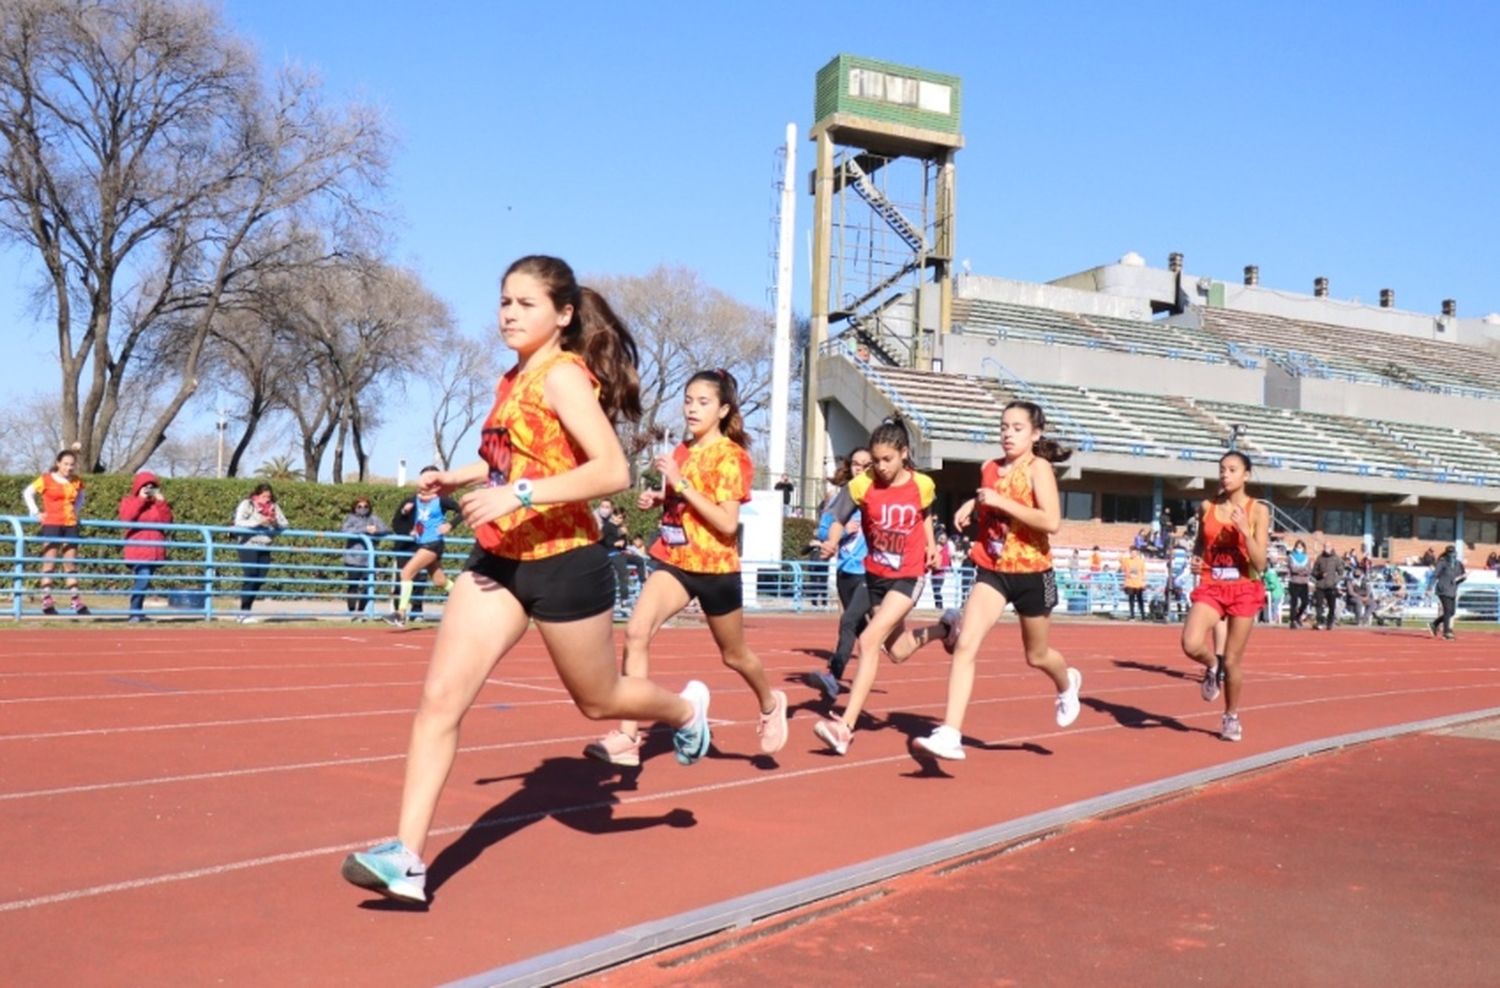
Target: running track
<point x="177" y="800"/>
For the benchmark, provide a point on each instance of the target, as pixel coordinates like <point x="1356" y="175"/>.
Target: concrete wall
<point x="1062" y="297"/>
<point x="1039" y="362"/>
<point x="1371" y="401"/>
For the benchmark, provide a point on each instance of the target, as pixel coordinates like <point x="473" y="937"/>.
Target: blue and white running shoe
<point x="389" y="869"/>
<point x="692" y="741"/>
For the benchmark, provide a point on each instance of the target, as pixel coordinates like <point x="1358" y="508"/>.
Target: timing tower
<point x="883" y="214"/>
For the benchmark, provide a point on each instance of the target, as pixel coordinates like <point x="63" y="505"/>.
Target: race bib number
<point x="890" y="560"/>
<point x="996" y="548"/>
<point x="494" y="449"/>
<point x="673" y="535"/>
<point x="1225" y="572"/>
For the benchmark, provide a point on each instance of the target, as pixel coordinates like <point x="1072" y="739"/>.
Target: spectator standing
<point x="940" y="568"/>
<point x="612" y="537"/>
<point x="1133" y="575"/>
<point x="61" y="507"/>
<point x="145" y="546"/>
<point x="359" y="564"/>
<point x="1275" y="594"/>
<point x="1327" y="570"/>
<point x="259" y="518"/>
<point x="786" y="487"/>
<point x="1298" y="576"/>
<point x="1446" y="576"/>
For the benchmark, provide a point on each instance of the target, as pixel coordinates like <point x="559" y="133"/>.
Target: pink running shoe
<point x="616" y="748"/>
<point x="833" y="732"/>
<point x="772" y="726"/>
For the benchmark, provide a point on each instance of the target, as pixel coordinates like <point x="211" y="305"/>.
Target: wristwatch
<point x="522" y="489"/>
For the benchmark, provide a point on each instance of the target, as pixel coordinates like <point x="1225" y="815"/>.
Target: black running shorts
<point x="717" y="593"/>
<point x="570" y="586"/>
<point x="1031" y="594"/>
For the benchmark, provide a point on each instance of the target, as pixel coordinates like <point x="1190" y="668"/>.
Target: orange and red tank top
<point x="523" y="438"/>
<point x="1005" y="545"/>
<point x="1226" y="549"/>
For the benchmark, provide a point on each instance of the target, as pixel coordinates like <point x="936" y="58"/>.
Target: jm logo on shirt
<point x="898" y="517"/>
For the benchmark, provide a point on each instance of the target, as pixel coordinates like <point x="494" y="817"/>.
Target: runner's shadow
<point x="1162" y="670"/>
<point x="1137" y="719"/>
<point x="576" y="792"/>
<point x="822" y="654"/>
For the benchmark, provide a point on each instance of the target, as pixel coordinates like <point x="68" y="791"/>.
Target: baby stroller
<point x="1388" y="605"/>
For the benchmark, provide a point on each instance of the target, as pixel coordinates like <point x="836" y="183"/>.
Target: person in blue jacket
<point x="850" y="579"/>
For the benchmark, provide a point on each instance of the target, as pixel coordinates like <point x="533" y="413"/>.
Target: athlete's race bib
<point x="890" y="560"/>
<point x="1225" y="572"/>
<point x="673" y="535"/>
<point x="996" y="547"/>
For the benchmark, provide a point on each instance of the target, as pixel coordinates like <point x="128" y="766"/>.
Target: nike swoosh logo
<point x="416" y="872"/>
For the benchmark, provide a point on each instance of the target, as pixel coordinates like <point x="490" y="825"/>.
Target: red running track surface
<point x="177" y="800"/>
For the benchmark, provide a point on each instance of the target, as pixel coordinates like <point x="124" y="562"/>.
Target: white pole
<point x="781" y="359"/>
<point x="401" y="472"/>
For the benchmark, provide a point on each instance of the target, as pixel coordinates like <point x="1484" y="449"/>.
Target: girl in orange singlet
<point x="548" y="447"/>
<point x="1228" y="558"/>
<point x="1018" y="508"/>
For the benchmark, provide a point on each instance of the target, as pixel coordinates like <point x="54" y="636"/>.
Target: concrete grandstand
<point x="1367" y="423"/>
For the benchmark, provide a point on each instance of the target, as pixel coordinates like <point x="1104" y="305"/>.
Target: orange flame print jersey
<point x="892" y="518"/>
<point x="720" y="471"/>
<point x="59" y="499"/>
<point x="1005" y="545"/>
<point x="523" y="438"/>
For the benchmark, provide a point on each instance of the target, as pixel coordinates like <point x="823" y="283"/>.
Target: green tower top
<point x="881" y="102"/>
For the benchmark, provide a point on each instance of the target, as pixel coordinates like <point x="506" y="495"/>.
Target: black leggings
<point x="1445" y="619"/>
<point x="254" y="561"/>
<point x="855" y="598"/>
<point x="1136" y="597"/>
<point x="1299" y="601"/>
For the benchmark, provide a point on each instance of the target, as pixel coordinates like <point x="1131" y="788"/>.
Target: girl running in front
<point x="1018" y="508"/>
<point x="893" y="501"/>
<point x="1228" y="557"/>
<point x="707" y="479"/>
<point x="62" y="505"/>
<point x="548" y="446"/>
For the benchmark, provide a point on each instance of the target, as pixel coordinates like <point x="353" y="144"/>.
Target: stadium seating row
<point x="966" y="408"/>
<point x="1303" y="348"/>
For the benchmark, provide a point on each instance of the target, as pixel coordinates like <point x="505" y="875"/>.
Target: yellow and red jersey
<point x="59" y="498"/>
<point x="524" y="439"/>
<point x="1005" y="545"/>
<point x="721" y="471"/>
<point x="892" y="518"/>
<point x="1226" y="549"/>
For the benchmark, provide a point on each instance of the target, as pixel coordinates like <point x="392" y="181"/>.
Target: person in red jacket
<point x="145" y="547"/>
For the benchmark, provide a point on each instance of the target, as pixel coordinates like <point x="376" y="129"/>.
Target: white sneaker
<point x="1210" y="685"/>
<point x="389" y="869"/>
<point x="943" y="742"/>
<point x="1229" y="728"/>
<point x="952" y="618"/>
<point x="1067" y="700"/>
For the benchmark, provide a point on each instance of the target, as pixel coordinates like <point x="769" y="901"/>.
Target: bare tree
<point x="461" y="388"/>
<point x="360" y="328"/>
<point x="154" y="176"/>
<point x="682" y="326"/>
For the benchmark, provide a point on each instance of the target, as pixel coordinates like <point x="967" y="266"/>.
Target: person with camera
<point x="145" y="546"/>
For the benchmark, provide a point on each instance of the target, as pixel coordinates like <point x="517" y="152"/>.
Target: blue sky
<point x="1356" y="141"/>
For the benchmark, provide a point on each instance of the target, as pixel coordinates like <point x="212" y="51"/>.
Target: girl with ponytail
<point x="1018" y="508"/>
<point x="697" y="557"/>
<point x="548" y="447"/>
<point x="893" y="502"/>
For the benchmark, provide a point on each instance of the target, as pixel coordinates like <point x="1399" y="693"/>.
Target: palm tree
<point x="278" y="468"/>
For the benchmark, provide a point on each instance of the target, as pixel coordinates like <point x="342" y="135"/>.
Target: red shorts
<point x="1241" y="598"/>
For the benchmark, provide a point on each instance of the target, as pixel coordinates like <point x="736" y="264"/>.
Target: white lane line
<point x="757" y="779"/>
